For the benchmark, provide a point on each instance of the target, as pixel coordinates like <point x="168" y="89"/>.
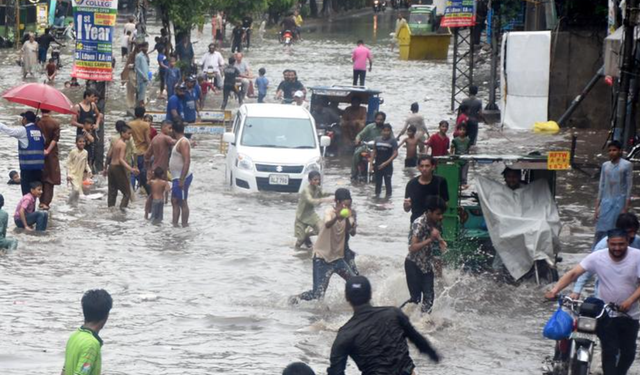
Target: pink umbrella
<point x="40" y="96"/>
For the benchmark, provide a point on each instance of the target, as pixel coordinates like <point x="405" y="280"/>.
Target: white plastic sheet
<point x="524" y="224"/>
<point x="525" y="78"/>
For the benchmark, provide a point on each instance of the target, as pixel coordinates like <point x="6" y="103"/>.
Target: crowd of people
<point x="159" y="164"/>
<point x="137" y="156"/>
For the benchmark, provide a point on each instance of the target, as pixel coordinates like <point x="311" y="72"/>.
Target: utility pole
<point x="17" y="13"/>
<point x="496" y="27"/>
<point x="626" y="71"/>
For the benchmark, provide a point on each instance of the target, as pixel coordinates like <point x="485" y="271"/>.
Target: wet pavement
<point x="212" y="298"/>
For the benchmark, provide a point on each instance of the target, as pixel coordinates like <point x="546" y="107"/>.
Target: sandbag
<point x="551" y="127"/>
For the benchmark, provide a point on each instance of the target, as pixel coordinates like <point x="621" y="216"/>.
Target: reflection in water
<point x="213" y="298"/>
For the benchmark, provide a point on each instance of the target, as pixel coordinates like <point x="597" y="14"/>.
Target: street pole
<point x="495" y="48"/>
<point x="101" y="87"/>
<point x="626" y="70"/>
<point x="17" y="13"/>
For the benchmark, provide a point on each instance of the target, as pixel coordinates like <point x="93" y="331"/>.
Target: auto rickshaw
<point x="468" y="230"/>
<point x="334" y="99"/>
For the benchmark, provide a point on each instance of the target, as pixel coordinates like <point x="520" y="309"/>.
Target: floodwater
<point x="212" y="298"/>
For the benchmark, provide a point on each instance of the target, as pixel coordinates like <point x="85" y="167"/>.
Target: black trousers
<point x="226" y="91"/>
<point x="27" y="176"/>
<point x="359" y="75"/>
<point x="420" y="285"/>
<point x="618" y="338"/>
<point x="385" y="175"/>
<point x="472" y="132"/>
<point x="236" y="46"/>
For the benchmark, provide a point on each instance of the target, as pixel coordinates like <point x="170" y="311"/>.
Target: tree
<point x="236" y="9"/>
<point x="185" y="17"/>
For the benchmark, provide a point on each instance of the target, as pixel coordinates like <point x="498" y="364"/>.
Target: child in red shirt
<point x="52" y="70"/>
<point x="205" y="86"/>
<point x="463" y="118"/>
<point x="439" y="142"/>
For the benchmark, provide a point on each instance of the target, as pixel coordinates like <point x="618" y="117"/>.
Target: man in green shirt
<point x="307" y="220"/>
<point x="83" y="354"/>
<point x="5" y="243"/>
<point x="368" y="134"/>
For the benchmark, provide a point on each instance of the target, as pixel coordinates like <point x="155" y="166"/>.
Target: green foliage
<point x="280" y="6"/>
<point x="184" y="16"/>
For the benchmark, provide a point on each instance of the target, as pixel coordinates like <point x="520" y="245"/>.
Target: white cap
<point x="298" y="94"/>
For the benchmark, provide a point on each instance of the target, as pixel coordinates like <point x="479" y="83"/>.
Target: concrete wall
<point x="575" y="57"/>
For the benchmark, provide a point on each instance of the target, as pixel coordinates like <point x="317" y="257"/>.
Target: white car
<point x="273" y="147"/>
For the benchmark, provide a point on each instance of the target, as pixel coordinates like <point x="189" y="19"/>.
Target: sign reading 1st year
<point x="95" y="21"/>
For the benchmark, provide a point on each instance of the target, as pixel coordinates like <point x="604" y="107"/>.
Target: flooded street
<point x="212" y="298"/>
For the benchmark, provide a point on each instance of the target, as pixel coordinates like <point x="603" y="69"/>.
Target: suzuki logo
<point x="279" y="168"/>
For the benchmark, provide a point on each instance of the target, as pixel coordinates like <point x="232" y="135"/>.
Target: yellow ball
<point x="345" y="212"/>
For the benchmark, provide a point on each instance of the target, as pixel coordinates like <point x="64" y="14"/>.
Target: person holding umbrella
<point x="30" y="149"/>
<point x="32" y="138"/>
<point x="50" y="128"/>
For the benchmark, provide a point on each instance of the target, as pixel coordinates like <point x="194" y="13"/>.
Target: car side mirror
<point x="229" y="137"/>
<point x="325" y="141"/>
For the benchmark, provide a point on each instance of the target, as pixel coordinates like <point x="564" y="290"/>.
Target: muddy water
<point x="213" y="298"/>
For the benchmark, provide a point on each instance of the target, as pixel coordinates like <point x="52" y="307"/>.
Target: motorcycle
<point x="287" y="38"/>
<point x="573" y="355"/>
<point x="379" y="6"/>
<point x="213" y="76"/>
<point x="332" y="131"/>
<point x="364" y="171"/>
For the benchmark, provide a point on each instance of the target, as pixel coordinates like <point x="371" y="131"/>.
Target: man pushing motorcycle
<point x="618" y="270"/>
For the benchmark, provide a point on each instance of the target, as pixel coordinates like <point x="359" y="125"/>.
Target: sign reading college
<point x="95" y="21"/>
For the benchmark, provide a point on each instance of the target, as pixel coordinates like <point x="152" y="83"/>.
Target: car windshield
<point x="278" y="133"/>
<point x="420" y="18"/>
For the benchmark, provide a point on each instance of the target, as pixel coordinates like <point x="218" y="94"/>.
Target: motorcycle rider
<point x="247" y="22"/>
<point x="298" y="100"/>
<point x="212" y="62"/>
<point x="368" y="134"/>
<point x="323" y="116"/>
<point x="288" y="23"/>
<point x="619" y="274"/>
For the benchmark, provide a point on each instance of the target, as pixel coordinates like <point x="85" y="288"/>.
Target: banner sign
<point x="459" y="13"/>
<point x="94" y="21"/>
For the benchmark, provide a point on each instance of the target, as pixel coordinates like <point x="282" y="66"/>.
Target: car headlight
<point x="313" y="165"/>
<point x="244" y="162"/>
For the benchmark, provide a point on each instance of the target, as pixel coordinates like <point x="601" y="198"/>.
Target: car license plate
<point x="278" y="179"/>
<point x="583" y="336"/>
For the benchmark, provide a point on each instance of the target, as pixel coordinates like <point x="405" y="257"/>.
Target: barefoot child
<point x="159" y="193"/>
<point x="52" y="70"/>
<point x="5" y="242"/>
<point x="460" y="146"/>
<point x="307" y="220"/>
<point x="412" y="143"/>
<point x="77" y="167"/>
<point x="205" y="87"/>
<point x="439" y="142"/>
<point x="118" y="168"/>
<point x="26" y="215"/>
<point x="89" y="134"/>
